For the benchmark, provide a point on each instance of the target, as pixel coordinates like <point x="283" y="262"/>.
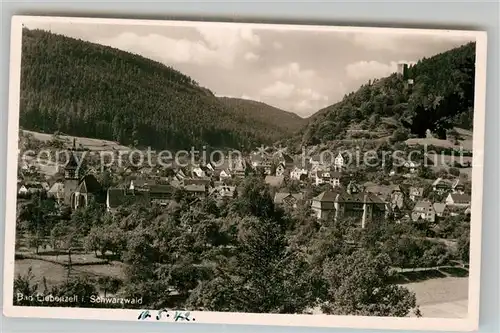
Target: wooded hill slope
<point x="441" y="97"/>
<point x="284" y="122"/>
<point x="85" y="89"/>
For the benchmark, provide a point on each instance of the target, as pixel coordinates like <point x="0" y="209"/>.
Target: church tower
<point x="71" y="176"/>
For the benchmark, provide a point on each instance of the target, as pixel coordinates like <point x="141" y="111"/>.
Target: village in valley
<point x="361" y="208"/>
<point x="324" y="183"/>
<point x="323" y="186"/>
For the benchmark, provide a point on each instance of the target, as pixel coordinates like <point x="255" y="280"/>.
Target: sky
<point x="295" y="70"/>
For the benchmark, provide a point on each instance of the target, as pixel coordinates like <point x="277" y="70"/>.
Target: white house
<point x="327" y="177"/>
<point x="416" y="193"/>
<point x="410" y="166"/>
<point x="280" y="169"/>
<point x="339" y="162"/>
<point x="224" y="174"/>
<point x="298" y="173"/>
<point x="223" y="191"/>
<point x="199" y="172"/>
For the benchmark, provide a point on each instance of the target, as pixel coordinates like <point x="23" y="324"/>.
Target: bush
<point x="399" y="135"/>
<point x="454" y="171"/>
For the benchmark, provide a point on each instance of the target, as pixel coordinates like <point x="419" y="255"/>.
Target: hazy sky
<point x="298" y="71"/>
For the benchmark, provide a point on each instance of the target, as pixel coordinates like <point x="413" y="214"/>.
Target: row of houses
<point x="164" y="193"/>
<point x="454" y="204"/>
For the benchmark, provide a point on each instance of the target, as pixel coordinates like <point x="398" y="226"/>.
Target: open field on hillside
<point x="465" y="142"/>
<point x="88" y="143"/>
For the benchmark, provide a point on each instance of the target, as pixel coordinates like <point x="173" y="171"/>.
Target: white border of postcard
<point x="469" y="323"/>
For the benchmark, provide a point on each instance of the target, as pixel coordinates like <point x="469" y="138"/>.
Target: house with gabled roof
<point x="423" y="210"/>
<point x="274" y="181"/>
<point x="339" y="161"/>
<point x="199" y="171"/>
<point x="397" y="197"/>
<point x="56" y="192"/>
<point x="351" y="202"/>
<point x="415" y="193"/>
<point x="223" y="191"/>
<point x="283" y="158"/>
<point x="410" y="166"/>
<point x="458" y="186"/>
<point x="441" y="209"/>
<point x="441" y="185"/>
<point x="141" y="183"/>
<point x="197" y="181"/>
<point x="160" y="192"/>
<point x="196" y="190"/>
<point x="29" y="188"/>
<point x="315" y="160"/>
<point x="281" y="170"/>
<point x="88" y="188"/>
<point x="458" y="200"/>
<point x="327" y="177"/>
<point x="222" y="174"/>
<point x="179" y="174"/>
<point x="287" y="199"/>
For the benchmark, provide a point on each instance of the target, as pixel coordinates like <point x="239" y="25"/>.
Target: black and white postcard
<point x="236" y="173"/>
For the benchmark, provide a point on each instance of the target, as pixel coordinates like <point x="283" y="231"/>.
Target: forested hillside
<point x="85" y="89"/>
<point x="442" y="96"/>
<point x="282" y="122"/>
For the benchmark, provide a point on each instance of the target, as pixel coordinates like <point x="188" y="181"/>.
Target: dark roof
<point x="116" y="197"/>
<point x="279" y="197"/>
<point x="72" y="162"/>
<point x="161" y="189"/>
<point x="460" y="198"/>
<point x="327" y="196"/>
<point x="361" y="197"/>
<point x="89" y="184"/>
<point x="287" y="158"/>
<point x="33" y="185"/>
<point x="197" y="181"/>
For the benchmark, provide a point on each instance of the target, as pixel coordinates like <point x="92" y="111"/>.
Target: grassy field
<point x="438" y="297"/>
<point x="443" y="297"/>
<point x="56" y="274"/>
<point x="91" y="144"/>
<point x="465" y="141"/>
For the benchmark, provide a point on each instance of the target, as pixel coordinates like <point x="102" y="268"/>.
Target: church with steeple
<point x="79" y="188"/>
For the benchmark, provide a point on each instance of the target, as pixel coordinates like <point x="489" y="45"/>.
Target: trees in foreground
<point x="238" y="256"/>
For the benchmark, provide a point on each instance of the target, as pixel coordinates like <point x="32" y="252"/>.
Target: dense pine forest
<point x="85" y="89"/>
<point x="441" y="96"/>
<point x="283" y="122"/>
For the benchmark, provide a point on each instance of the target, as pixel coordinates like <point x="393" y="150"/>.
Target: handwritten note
<point x="165" y="314"/>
